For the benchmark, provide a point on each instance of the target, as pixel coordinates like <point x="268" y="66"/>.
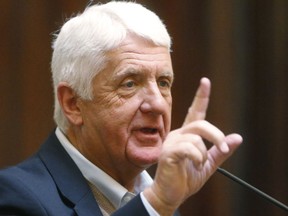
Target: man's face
<point x="129" y="117"/>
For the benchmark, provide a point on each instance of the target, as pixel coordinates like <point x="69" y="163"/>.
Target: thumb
<point x="218" y="157"/>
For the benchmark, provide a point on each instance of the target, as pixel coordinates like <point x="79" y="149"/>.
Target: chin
<point x="144" y="157"/>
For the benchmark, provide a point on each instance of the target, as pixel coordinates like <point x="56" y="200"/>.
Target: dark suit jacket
<point x="49" y="183"/>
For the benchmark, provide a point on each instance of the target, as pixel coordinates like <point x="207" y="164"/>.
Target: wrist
<point x="163" y="208"/>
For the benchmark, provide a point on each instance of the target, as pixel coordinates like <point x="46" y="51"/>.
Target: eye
<point x="128" y="84"/>
<point x="164" y="83"/>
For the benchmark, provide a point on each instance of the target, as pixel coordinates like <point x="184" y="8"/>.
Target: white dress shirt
<point x="114" y="192"/>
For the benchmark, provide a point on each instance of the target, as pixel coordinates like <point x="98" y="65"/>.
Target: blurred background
<point x="241" y="45"/>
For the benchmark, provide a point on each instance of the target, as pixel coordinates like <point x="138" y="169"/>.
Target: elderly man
<point x="112" y="77"/>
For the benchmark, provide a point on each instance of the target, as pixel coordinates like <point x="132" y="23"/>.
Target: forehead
<point x="136" y="55"/>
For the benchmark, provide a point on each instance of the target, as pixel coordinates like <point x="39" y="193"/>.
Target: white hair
<point x="80" y="47"/>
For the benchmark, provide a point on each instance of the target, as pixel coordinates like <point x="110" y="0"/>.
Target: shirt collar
<point x="106" y="184"/>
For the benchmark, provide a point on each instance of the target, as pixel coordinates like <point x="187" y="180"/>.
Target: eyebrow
<point x="133" y="72"/>
<point x="126" y="73"/>
<point x="168" y="74"/>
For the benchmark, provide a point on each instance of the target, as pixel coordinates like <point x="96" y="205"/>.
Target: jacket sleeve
<point x="133" y="207"/>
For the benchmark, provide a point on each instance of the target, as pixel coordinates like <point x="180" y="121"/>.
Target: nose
<point x="154" y="101"/>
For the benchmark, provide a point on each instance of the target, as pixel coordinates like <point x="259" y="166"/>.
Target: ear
<point x="69" y="103"/>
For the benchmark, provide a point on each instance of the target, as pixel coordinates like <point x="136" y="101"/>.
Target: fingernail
<point x="224" y="147"/>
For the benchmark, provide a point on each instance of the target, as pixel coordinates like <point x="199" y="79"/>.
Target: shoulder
<point x="16" y="194"/>
<point x="30" y="188"/>
<point x="29" y="173"/>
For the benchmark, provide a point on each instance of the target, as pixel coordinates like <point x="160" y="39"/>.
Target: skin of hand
<point x="185" y="164"/>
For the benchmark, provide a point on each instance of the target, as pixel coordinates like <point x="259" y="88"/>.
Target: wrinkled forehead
<point x="136" y="53"/>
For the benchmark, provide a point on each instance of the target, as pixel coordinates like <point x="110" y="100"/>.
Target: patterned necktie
<point x="105" y="205"/>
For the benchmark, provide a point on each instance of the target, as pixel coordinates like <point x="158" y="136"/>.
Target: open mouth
<point x="147" y="136"/>
<point x="149" y="130"/>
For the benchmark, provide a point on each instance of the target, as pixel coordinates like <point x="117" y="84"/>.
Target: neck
<point x="123" y="172"/>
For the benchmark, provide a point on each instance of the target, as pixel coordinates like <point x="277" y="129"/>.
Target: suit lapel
<point x="68" y="178"/>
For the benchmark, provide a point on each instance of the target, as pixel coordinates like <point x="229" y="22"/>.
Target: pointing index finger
<point x="197" y="110"/>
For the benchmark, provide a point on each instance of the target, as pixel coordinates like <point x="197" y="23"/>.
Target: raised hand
<point x="185" y="163"/>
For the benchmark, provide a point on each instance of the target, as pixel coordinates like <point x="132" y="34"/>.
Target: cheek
<point x="167" y="116"/>
<point x="116" y="119"/>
